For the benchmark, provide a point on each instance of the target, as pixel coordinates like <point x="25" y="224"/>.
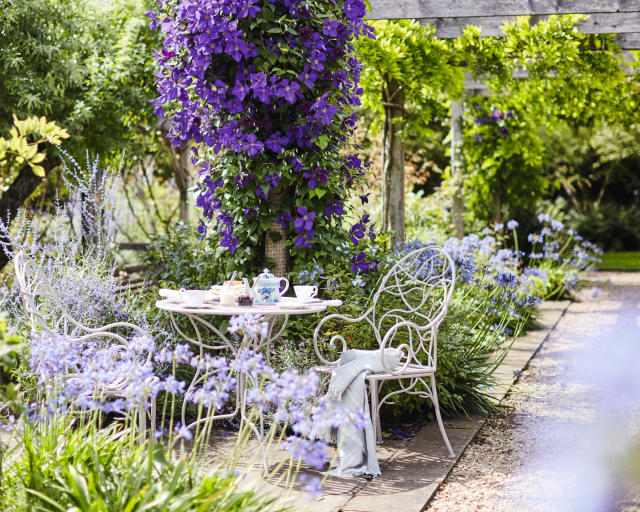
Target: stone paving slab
<point x="412" y="470"/>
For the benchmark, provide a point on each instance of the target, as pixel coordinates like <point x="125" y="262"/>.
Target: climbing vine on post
<point x="267" y="89"/>
<point x="407" y="72"/>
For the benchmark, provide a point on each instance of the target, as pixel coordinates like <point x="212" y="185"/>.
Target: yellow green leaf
<point x="38" y="170"/>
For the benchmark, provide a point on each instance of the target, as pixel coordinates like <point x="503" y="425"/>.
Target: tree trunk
<point x="15" y="196"/>
<point x="457" y="168"/>
<point x="180" y="166"/>
<point x="276" y="253"/>
<point x="393" y="163"/>
<point x="497" y="205"/>
<point x="183" y="181"/>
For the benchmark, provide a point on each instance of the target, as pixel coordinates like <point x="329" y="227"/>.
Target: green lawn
<point x="620" y="261"/>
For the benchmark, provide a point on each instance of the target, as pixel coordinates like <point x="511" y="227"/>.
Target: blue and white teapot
<point x="266" y="288"/>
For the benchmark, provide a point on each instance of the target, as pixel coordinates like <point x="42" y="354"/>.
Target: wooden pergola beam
<point x="395" y="9"/>
<point x="479" y="83"/>
<point x="491" y="26"/>
<point x="628" y="41"/>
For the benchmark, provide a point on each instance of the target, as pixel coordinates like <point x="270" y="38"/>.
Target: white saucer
<point x="292" y="305"/>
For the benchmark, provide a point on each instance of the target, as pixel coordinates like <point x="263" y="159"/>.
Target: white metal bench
<point x="30" y="283"/>
<point x="417" y="291"/>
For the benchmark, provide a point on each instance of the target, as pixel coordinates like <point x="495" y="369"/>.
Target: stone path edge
<point x="547" y="330"/>
<point x="516" y="361"/>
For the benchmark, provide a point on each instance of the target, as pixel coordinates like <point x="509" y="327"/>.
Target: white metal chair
<point x="30" y="283"/>
<point x="407" y="308"/>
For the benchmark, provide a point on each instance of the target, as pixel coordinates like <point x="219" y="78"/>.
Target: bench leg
<point x="375" y="413"/>
<point x="436" y="405"/>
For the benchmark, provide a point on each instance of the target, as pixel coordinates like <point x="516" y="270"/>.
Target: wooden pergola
<point x="450" y="17"/>
<point x="620" y="17"/>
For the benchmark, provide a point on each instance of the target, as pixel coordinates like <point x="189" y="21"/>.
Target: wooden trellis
<point x="450" y="17"/>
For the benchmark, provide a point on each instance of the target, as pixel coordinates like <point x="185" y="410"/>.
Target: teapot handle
<point x="286" y="285"/>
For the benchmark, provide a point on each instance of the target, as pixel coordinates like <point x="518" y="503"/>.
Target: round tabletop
<point x="290" y="307"/>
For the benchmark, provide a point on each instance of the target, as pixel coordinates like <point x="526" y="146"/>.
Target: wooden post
<point x="457" y="167"/>
<point x="393" y="162"/>
<point x="180" y="165"/>
<point x="275" y="250"/>
<point x="182" y="175"/>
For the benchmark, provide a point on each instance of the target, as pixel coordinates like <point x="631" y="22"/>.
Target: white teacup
<point x="305" y="292"/>
<point x="228" y="296"/>
<point x="193" y="298"/>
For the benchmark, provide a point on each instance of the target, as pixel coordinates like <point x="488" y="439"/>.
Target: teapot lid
<point x="266" y="275"/>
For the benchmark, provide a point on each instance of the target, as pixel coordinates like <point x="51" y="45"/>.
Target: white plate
<point x="292" y="305"/>
<point x="295" y="300"/>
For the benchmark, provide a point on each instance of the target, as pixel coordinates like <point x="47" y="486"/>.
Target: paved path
<point x="569" y="440"/>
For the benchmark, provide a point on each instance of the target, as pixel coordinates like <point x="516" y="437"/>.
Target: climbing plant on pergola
<point x="450" y="18"/>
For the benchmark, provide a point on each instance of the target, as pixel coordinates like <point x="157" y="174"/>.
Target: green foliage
<point x="86" y="65"/>
<point x="595" y="164"/>
<point x="181" y="260"/>
<point x="426" y="216"/>
<point x="10" y="346"/>
<point x="620" y="261"/>
<point x="38" y="42"/>
<point x="59" y="466"/>
<point x="574" y="80"/>
<point x="22" y="146"/>
<point x="572" y="76"/>
<point x="503" y="154"/>
<point x="612" y="227"/>
<point x="421" y="63"/>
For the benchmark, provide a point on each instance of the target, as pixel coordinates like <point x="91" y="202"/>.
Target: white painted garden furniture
<point x="418" y="288"/>
<point x="30" y="283"/>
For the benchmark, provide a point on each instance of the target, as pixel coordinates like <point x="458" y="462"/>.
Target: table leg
<point x="201" y="376"/>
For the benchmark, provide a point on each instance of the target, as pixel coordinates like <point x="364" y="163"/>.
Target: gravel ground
<point x="563" y="441"/>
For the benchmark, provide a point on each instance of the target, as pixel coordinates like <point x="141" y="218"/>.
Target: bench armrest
<point x="339" y="337"/>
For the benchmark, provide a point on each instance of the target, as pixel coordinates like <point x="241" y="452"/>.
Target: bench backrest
<point x="416" y="293"/>
<point x="28" y="281"/>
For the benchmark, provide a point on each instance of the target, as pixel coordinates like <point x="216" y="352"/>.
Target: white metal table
<point x="276" y="315"/>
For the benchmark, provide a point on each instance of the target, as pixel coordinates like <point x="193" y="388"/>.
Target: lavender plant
<point x="92" y="375"/>
<point x="74" y="259"/>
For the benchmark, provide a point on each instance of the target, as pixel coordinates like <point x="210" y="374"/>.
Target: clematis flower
<point x="252" y="145"/>
<point x="236" y="48"/>
<point x="308" y="77"/>
<point x="214" y="92"/>
<point x="289" y="90"/>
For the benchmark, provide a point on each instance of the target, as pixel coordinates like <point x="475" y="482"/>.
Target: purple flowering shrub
<point x="71" y="253"/>
<point x="557" y="254"/>
<point x="498" y="287"/>
<point x="99" y="375"/>
<point x="503" y="158"/>
<point x="267" y="90"/>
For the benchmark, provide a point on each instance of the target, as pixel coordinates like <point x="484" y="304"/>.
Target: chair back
<point x="28" y="283"/>
<point x="412" y="301"/>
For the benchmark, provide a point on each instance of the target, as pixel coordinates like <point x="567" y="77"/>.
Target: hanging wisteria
<point x="268" y="90"/>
